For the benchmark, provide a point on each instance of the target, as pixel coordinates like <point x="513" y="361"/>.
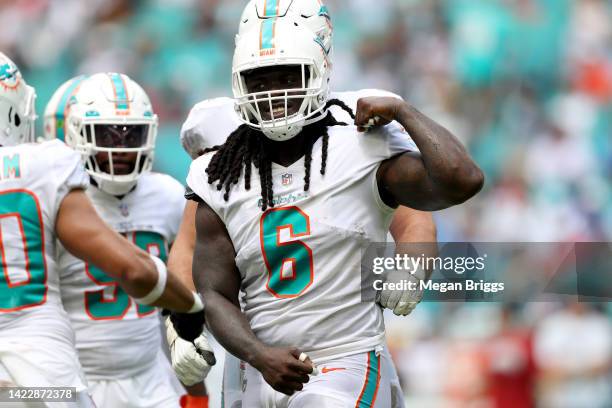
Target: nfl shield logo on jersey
<point x="286" y="179"/>
<point x="125" y="211"/>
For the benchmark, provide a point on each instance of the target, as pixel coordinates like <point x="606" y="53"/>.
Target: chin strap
<point x="282" y="134"/>
<point x="113" y="187"/>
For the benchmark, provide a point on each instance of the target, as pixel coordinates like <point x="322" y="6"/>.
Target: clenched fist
<point x="375" y="111"/>
<point x="283" y="369"/>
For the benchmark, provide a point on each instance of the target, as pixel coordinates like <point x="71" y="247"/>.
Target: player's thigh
<point x="41" y="362"/>
<point x="348" y="382"/>
<point x="7" y="381"/>
<point x="156" y="387"/>
<point x="256" y="392"/>
<point x="79" y="400"/>
<point x="397" y="394"/>
<point x="130" y="393"/>
<point x="159" y="385"/>
<point x="233" y="381"/>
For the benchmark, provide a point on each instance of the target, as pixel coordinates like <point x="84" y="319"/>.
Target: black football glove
<point x="189" y="326"/>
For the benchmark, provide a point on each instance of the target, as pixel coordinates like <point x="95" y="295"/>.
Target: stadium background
<point x="526" y="84"/>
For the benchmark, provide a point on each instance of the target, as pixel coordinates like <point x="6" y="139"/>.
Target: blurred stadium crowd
<point x="526" y="84"/>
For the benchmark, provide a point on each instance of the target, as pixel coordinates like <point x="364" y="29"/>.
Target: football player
<point x="298" y="264"/>
<point x="109" y="119"/>
<point x="197" y="134"/>
<point x="42" y="203"/>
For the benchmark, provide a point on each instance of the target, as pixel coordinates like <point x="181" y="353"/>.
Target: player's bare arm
<point x="190" y="360"/>
<point x="411" y="229"/>
<point x="217" y="278"/>
<point x="440" y="176"/>
<point x="86" y="236"/>
<point x="180" y="258"/>
<point x="412" y="226"/>
<point x="414" y="233"/>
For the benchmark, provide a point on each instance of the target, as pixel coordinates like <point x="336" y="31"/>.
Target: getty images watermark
<point x="413" y="264"/>
<point x="489" y="272"/>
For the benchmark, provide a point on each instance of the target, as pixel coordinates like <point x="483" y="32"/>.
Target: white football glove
<point x="191" y="361"/>
<point x="401" y="301"/>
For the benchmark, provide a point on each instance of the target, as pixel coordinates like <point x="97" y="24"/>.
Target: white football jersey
<point x="209" y="123"/>
<point x="34" y="179"/>
<point x="300" y="261"/>
<point x="115" y="337"/>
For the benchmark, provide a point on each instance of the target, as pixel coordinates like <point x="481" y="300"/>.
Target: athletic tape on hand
<point x="303" y="357"/>
<point x="372" y="122"/>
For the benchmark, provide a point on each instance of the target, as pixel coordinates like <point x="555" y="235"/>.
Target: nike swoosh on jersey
<point x="325" y="370"/>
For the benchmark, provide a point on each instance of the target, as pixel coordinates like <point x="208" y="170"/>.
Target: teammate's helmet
<point x="108" y="119"/>
<point x="277" y="42"/>
<point x="57" y="109"/>
<point x="17" y="112"/>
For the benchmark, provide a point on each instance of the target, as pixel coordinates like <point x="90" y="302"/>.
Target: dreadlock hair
<point x="245" y="147"/>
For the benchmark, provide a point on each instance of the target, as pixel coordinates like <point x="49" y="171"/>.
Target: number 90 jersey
<point x="115" y="337"/>
<point x="300" y="260"/>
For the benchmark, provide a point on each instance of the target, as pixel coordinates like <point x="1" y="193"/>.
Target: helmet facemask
<point x="116" y="154"/>
<point x="279" y="100"/>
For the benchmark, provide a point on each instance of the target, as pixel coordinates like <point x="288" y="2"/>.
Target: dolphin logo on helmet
<point x="17" y="113"/>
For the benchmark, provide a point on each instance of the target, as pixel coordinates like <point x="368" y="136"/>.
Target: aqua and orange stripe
<point x="271" y="8"/>
<point x="61" y="111"/>
<point x="367" y="397"/>
<point x="122" y="101"/>
<point x="268" y="25"/>
<point x="268" y="32"/>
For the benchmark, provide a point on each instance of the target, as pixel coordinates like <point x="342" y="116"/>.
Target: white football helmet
<point x="281" y="42"/>
<point x="57" y="109"/>
<point x="17" y="111"/>
<point x="109" y="119"/>
<point x="310" y="13"/>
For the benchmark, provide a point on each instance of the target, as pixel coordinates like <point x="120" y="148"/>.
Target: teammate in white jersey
<point x="197" y="134"/>
<point x="109" y="118"/>
<point x="41" y="201"/>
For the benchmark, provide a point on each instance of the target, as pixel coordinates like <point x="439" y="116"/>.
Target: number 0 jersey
<point x="115" y="337"/>
<point x="36" y="340"/>
<point x="300" y="261"/>
<point x="34" y="180"/>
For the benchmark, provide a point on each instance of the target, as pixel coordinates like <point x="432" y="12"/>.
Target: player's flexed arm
<point x="442" y="175"/>
<point x="217" y="278"/>
<point x="85" y="235"/>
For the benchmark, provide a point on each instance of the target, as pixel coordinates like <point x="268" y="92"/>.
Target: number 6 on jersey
<point x="288" y="261"/>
